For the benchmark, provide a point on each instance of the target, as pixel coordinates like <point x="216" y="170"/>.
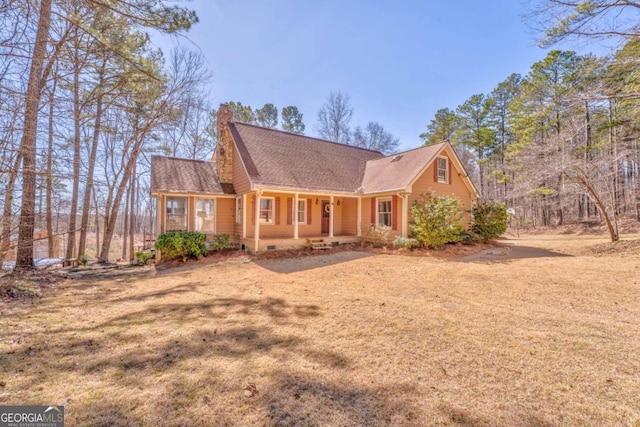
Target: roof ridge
<point x="308" y="137"/>
<point x="180" y="158"/>
<point x="417" y="148"/>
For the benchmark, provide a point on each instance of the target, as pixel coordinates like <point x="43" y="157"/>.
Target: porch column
<point x="405" y="215"/>
<point x="359" y="217"/>
<point x="244" y="216"/>
<point x="256" y="229"/>
<point x="295" y="215"/>
<point x="159" y="214"/>
<point x="331" y="216"/>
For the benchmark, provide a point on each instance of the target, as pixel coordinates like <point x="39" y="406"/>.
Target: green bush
<point x="145" y="257"/>
<point x="182" y="244"/>
<point x="490" y="219"/>
<point x="219" y="242"/>
<point x="436" y="220"/>
<point x="83" y="259"/>
<point x="470" y="238"/>
<point x="402" y="242"/>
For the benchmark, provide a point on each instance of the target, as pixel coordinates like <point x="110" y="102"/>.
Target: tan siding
<point x="426" y="183"/>
<point x="241" y="183"/>
<point x="349" y="215"/>
<point x="225" y="216"/>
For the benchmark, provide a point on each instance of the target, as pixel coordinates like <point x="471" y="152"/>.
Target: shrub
<point x="378" y="235"/>
<point x="436" y="220"/>
<point x="145" y="257"/>
<point x="490" y="219"/>
<point x="219" y="242"/>
<point x="83" y="259"/>
<point x="470" y="238"/>
<point x="402" y="242"/>
<point x="182" y="244"/>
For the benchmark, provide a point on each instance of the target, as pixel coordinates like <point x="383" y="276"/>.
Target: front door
<point x="324" y="228"/>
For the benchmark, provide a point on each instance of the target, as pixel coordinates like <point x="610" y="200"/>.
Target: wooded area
<point x="86" y="99"/>
<point x="559" y="144"/>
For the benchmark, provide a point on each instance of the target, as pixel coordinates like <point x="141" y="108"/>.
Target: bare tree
<point x="375" y="137"/>
<point x="334" y="118"/>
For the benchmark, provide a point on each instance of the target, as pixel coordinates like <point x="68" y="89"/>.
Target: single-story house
<point x="272" y="189"/>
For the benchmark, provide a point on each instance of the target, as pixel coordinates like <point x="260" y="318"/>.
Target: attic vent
<point x="396" y="158"/>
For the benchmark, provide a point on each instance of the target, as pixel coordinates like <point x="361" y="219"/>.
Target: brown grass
<point x="538" y="332"/>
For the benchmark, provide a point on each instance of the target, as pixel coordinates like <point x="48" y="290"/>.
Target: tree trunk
<point x="71" y="242"/>
<point x="24" y="259"/>
<point x="125" y="223"/>
<point x="7" y="212"/>
<point x="49" y="180"/>
<point x="132" y="215"/>
<point x="86" y="202"/>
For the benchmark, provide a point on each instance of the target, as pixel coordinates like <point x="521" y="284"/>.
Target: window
<point x="239" y="210"/>
<point x="302" y="211"/>
<point x="176" y="214"/>
<point x="384" y="212"/>
<point x="266" y="210"/>
<point x="443" y="172"/>
<point x="205" y="215"/>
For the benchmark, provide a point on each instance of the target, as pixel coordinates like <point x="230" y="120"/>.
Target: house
<point x="270" y="189"/>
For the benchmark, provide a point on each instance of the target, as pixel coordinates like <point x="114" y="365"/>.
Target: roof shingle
<point x="172" y="175"/>
<point x="282" y="159"/>
<point x="395" y="172"/>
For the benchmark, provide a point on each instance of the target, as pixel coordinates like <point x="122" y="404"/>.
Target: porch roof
<point x="173" y="175"/>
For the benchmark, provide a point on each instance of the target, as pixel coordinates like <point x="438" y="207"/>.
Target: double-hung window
<point x="205" y="215"/>
<point x="384" y="212"/>
<point x="443" y="169"/>
<point x="176" y="219"/>
<point x="302" y="211"/>
<point x="239" y="210"/>
<point x="266" y="210"/>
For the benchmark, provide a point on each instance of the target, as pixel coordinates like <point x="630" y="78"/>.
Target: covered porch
<point x="281" y="219"/>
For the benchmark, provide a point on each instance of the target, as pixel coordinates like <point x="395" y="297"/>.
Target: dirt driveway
<point x="539" y="331"/>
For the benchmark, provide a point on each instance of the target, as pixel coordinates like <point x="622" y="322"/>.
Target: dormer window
<point x="443" y="169"/>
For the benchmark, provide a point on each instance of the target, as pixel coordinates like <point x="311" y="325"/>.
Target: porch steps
<point x="318" y="244"/>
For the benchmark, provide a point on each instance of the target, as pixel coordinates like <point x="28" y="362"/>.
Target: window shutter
<point x="450" y="171"/>
<point x="394" y="212"/>
<point x="435" y="170"/>
<point x="309" y="211"/>
<point x="253" y="209"/>
<point x="373" y="211"/>
<point x="277" y="211"/>
<point x="289" y="211"/>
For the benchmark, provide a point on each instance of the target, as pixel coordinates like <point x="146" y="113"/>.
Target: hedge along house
<point x="270" y="189"/>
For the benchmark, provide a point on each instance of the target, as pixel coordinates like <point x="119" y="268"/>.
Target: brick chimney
<point x="224" y="148"/>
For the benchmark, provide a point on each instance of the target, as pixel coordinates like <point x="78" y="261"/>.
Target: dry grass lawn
<point x="540" y="332"/>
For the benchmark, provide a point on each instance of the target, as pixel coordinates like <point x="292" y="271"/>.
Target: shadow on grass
<point x="294" y="265"/>
<point x="307" y="401"/>
<point x="464" y="418"/>
<point x="510" y="252"/>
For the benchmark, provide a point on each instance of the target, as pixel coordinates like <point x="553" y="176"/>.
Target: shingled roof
<point x="397" y="171"/>
<point x="286" y="160"/>
<point x="173" y="175"/>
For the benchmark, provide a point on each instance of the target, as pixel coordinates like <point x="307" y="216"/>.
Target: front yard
<point x="540" y="332"/>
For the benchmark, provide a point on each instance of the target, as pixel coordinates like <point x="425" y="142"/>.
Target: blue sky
<point x="398" y="61"/>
